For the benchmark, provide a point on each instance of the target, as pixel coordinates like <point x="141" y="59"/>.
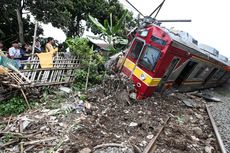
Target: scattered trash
<point x="133" y="124"/>
<point x="104" y="116"/>
<point x="207" y="97"/>
<point x="189" y="103"/>
<point x="65" y="89"/>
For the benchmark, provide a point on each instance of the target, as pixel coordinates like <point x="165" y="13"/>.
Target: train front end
<point x="142" y="61"/>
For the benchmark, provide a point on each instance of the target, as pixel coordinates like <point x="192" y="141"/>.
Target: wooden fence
<point x="32" y="75"/>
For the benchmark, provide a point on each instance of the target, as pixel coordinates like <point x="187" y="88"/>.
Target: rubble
<point x="105" y="116"/>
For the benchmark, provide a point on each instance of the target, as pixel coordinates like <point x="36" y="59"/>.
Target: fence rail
<point x="32" y="75"/>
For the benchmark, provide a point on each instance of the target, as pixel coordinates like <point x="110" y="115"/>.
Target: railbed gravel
<point x="220" y="112"/>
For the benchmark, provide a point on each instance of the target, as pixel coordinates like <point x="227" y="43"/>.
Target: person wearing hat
<point x="14" y="51"/>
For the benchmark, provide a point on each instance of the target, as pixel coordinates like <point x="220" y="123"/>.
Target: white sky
<point x="209" y="24"/>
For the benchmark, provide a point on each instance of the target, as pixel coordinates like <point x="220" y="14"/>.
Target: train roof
<point x="205" y="51"/>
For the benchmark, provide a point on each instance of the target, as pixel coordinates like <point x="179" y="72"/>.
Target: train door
<point x="169" y="71"/>
<point x="185" y="73"/>
<point x="210" y="76"/>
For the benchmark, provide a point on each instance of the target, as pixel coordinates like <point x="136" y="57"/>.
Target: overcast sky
<point x="209" y="24"/>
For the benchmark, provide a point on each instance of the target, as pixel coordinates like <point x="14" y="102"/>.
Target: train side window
<point x="199" y="72"/>
<point x="218" y="75"/>
<point x="215" y="75"/>
<point x="149" y="58"/>
<point x="136" y="48"/>
<point x="202" y="72"/>
<point x="158" y="41"/>
<point x="221" y="74"/>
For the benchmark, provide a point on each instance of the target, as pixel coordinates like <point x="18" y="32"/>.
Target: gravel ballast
<point x="220" y="112"/>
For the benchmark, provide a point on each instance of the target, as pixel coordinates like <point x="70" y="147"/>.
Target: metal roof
<point x="202" y="50"/>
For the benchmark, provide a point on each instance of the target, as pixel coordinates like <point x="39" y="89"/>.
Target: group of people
<point x="16" y="51"/>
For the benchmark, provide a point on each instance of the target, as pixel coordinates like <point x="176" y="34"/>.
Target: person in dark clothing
<point x="37" y="48"/>
<point x="25" y="51"/>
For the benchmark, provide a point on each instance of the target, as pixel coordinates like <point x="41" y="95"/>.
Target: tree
<point x="57" y="12"/>
<point x="12" y="25"/>
<point x="99" y="9"/>
<point x="66" y="14"/>
<point x="16" y="5"/>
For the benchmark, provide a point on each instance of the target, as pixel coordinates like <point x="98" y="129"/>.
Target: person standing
<point x="37" y="48"/>
<point x="50" y="47"/>
<point x="14" y="51"/>
<point x="2" y="53"/>
<point x="25" y="51"/>
<point x="1" y="46"/>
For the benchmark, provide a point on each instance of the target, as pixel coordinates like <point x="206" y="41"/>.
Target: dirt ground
<point x="115" y="120"/>
<point x="107" y="116"/>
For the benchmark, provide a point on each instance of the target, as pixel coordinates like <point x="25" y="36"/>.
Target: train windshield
<point x="136" y="48"/>
<point x="149" y="58"/>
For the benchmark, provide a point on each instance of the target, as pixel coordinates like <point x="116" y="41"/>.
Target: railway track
<point x="152" y="146"/>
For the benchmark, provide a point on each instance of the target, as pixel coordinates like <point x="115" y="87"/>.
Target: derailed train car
<point x="160" y="59"/>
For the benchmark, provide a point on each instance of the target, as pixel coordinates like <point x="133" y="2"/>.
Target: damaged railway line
<point x="106" y="121"/>
<point x="140" y="109"/>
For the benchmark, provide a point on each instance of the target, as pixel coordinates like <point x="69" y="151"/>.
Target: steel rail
<point x="150" y="147"/>
<point x="218" y="137"/>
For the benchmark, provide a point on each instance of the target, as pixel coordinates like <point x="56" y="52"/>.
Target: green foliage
<point x="80" y="75"/>
<point x="88" y="58"/>
<point x="83" y="97"/>
<point x="66" y="14"/>
<point x="57" y="12"/>
<point x="7" y="137"/>
<point x="13" y="106"/>
<point x="180" y="119"/>
<point x="79" y="47"/>
<point x="110" y="32"/>
<point x="9" y="26"/>
<point x="100" y="9"/>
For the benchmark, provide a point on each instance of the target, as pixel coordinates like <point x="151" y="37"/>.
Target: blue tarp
<point x="4" y="61"/>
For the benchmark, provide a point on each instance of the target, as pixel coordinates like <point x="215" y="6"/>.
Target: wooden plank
<point x="45" y="84"/>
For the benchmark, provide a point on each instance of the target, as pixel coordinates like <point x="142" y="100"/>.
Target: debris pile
<point x="106" y="120"/>
<point x="41" y="129"/>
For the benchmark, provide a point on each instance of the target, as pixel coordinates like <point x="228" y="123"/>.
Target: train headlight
<point x="144" y="33"/>
<point x="143" y="77"/>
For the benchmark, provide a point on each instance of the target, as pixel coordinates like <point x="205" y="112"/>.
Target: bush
<point x="88" y="58"/>
<point x="14" y="106"/>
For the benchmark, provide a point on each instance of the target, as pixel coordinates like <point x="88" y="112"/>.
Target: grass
<point x="13" y="106"/>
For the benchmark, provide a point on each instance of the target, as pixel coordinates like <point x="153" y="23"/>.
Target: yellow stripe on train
<point x="149" y="81"/>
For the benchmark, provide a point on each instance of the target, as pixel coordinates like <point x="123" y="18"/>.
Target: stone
<point x="199" y="116"/>
<point x="197" y="131"/>
<point x="194" y="138"/>
<point x="88" y="105"/>
<point x="208" y="149"/>
<point x="85" y="150"/>
<point x="143" y="143"/>
<point x="150" y="136"/>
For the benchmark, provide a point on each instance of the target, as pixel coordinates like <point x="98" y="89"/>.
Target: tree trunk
<point x="20" y="25"/>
